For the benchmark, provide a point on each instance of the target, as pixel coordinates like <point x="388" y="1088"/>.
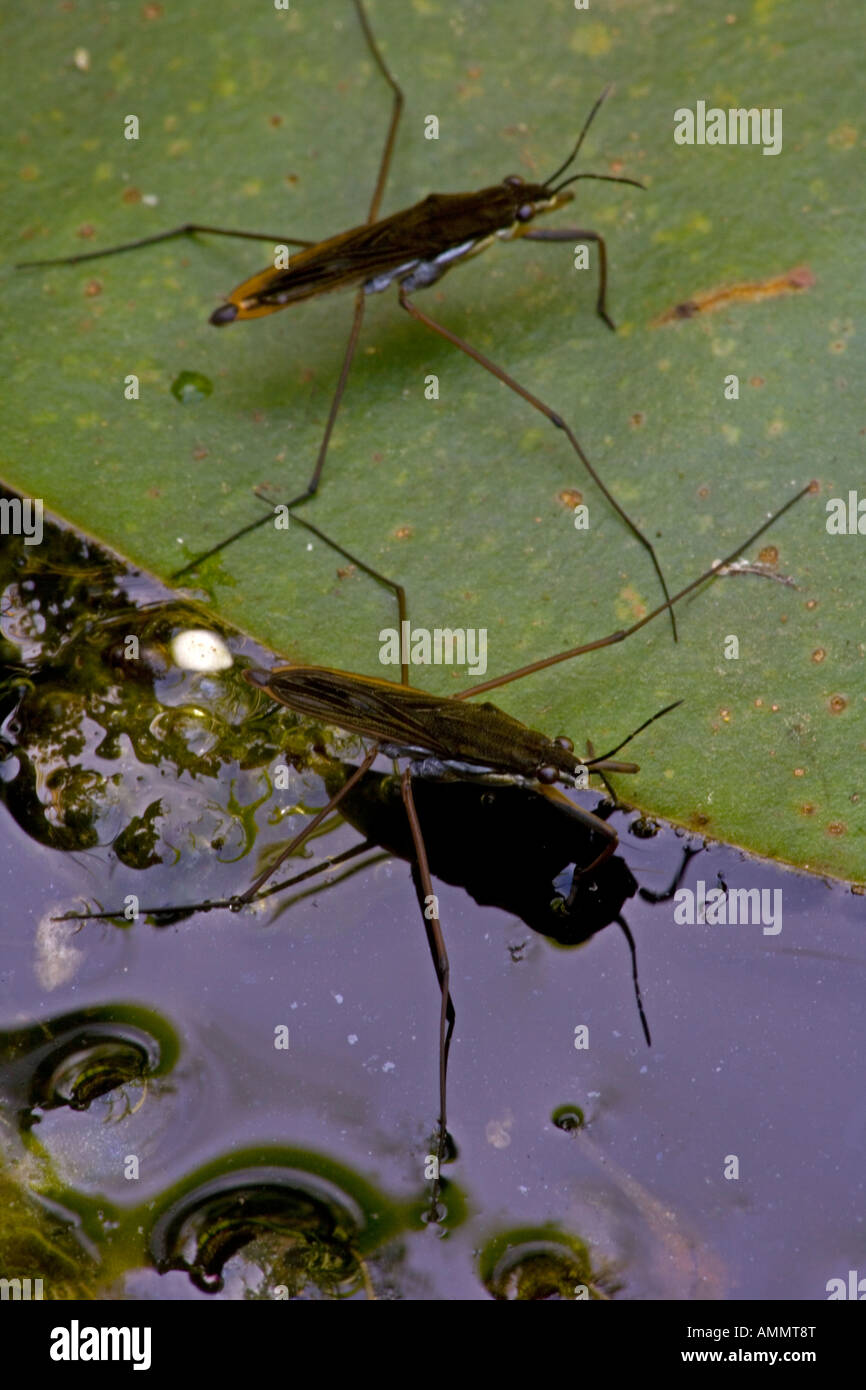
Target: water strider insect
<point x="444" y="737"/>
<point x="411" y="249"/>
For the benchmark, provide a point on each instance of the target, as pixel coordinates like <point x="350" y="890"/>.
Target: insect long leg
<point x="396" y="109"/>
<point x="313" y="485"/>
<point x="580" y="234"/>
<point x="303" y="835"/>
<point x="555" y="419"/>
<point x="396" y="589"/>
<point x="620" y="920"/>
<point x="190" y="228"/>
<point x="187" y="229"/>
<point x="241" y="900"/>
<point x="611" y="842"/>
<point x="358" y="318"/>
<point x="435" y="937"/>
<point x="622" y="633"/>
<point x="439" y="953"/>
<point x="688" y="854"/>
<point x="590" y="822"/>
<point x="331" y="861"/>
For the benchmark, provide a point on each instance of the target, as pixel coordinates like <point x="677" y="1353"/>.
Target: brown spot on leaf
<point x="570" y="497"/>
<point x="752" y="291"/>
<point x="844" y="137"/>
<point x="837" y="704"/>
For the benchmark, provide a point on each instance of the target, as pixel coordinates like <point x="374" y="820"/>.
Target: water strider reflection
<point x="124" y="1042"/>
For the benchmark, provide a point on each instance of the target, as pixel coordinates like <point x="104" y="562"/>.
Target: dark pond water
<point x="232" y="1105"/>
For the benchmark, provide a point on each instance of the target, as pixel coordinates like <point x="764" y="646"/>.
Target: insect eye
<point x="514" y="179"/>
<point x="548" y="775"/>
<point x="526" y="213"/>
<point x="563" y="741"/>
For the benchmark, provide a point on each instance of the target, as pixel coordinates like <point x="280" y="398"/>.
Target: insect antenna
<point x="604" y="757"/>
<point x="605" y="178"/>
<point x="580" y="139"/>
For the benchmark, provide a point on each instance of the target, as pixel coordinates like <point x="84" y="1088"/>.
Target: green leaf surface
<point x="256" y="118"/>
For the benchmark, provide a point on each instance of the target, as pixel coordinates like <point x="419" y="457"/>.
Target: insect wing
<point x="409" y="718"/>
<point x="377" y="709"/>
<point x="420" y="233"/>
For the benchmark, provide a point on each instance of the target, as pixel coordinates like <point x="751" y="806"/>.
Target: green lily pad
<point x="273" y="120"/>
